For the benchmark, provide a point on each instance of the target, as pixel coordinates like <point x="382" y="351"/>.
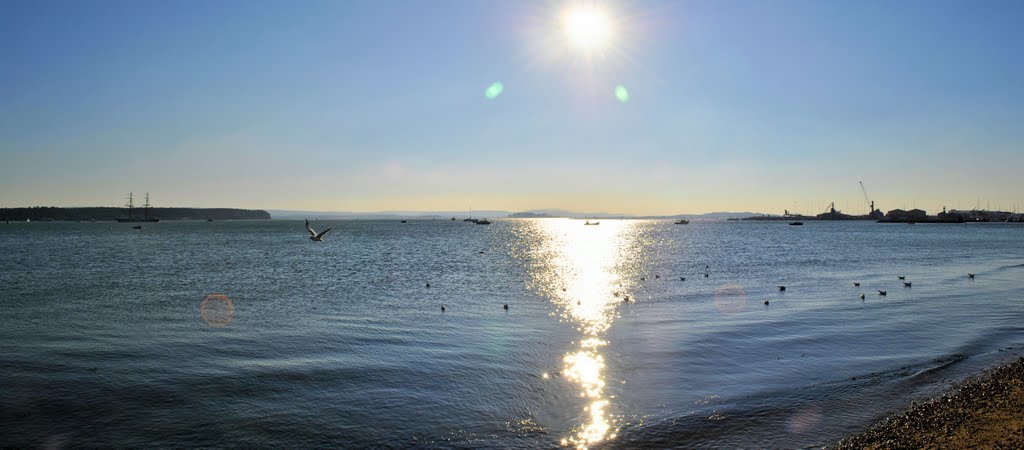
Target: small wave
<point x="1009" y="267"/>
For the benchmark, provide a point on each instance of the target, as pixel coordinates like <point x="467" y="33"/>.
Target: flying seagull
<point x="313" y="236"/>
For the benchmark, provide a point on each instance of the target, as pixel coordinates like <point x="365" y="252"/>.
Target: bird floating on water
<point x="782" y="288"/>
<point x="970" y="275"/>
<point x="881" y="292"/>
<point x="766" y="303"/>
<point x="657" y="277"/>
<point x="862" y="296"/>
<point x="856" y="283"/>
<point x="901" y="277"/>
<point x="505" y="306"/>
<point x="428" y="284"/>
<point x="907" y="284"/>
<point x="442" y="308"/>
<point x="313" y="235"/>
<point x="682" y="278"/>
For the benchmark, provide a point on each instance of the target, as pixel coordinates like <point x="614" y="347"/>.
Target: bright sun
<point x="587" y="28"/>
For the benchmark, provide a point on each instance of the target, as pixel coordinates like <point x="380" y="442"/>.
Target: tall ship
<point x="131" y="211"/>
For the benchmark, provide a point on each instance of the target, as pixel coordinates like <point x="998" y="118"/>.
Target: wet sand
<point x="983" y="412"/>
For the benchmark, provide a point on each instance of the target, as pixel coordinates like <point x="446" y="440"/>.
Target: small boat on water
<point x="137" y="227"/>
<point x="592" y="223"/>
<point x="482" y="222"/>
<point x="681" y="222"/>
<point x="796" y="223"/>
<point x="404" y="221"/>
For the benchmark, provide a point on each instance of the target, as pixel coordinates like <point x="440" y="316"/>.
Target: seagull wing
<point x="310" y="230"/>
<point x="322" y="233"/>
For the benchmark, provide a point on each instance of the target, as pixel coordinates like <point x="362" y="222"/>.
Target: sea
<point x="626" y="334"/>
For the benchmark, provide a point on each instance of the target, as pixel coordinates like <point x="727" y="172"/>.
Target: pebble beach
<point x="984" y="412"/>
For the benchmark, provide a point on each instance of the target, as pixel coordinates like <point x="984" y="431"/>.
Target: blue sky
<point x="368" y="106"/>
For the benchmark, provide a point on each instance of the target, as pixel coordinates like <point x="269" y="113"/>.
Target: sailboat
<point x="131" y="211"/>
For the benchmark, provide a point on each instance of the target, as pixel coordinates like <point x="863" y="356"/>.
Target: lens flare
<point x="494" y="90"/>
<point x="621" y="93"/>
<point x="217" y="310"/>
<point x="730" y="299"/>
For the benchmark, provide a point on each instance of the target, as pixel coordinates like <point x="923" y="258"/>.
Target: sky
<point x="382" y="105"/>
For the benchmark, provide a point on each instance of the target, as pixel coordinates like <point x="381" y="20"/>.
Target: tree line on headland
<point x="45" y="213"/>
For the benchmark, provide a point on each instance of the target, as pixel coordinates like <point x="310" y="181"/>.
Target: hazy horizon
<point x="683" y="108"/>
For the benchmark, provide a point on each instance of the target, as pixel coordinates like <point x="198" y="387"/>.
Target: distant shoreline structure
<point x="108" y="214"/>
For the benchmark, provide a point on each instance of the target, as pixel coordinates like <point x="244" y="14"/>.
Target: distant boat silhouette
<point x="131" y="211"/>
<point x="592" y="223"/>
<point x="796" y="223"/>
<point x="313" y="235"/>
<point x="404" y="221"/>
<point x="681" y="222"/>
<point x="482" y="222"/>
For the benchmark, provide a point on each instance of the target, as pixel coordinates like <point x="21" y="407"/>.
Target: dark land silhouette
<point x="45" y="213"/>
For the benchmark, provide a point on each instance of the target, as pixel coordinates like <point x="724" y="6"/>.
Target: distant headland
<point x="47" y="213"/>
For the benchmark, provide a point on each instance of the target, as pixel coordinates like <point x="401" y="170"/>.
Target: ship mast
<point x="146" y="208"/>
<point x="130" y="205"/>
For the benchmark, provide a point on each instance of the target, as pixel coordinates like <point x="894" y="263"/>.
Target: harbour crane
<point x="866" y="199"/>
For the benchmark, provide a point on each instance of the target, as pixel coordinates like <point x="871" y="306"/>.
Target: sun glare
<point x="587" y="28"/>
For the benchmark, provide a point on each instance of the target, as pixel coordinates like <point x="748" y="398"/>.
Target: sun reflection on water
<point x="581" y="275"/>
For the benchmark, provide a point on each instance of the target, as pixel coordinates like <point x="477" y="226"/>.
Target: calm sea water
<point x="248" y="334"/>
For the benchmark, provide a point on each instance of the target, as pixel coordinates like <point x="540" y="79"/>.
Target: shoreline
<point x="985" y="411"/>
